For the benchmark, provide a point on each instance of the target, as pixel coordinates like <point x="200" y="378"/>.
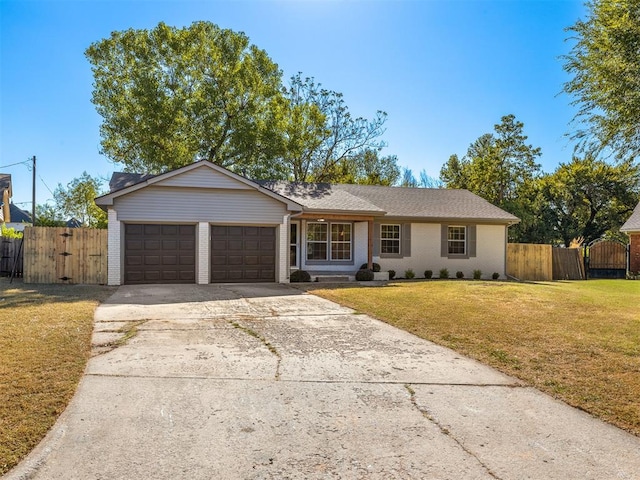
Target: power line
<point x="14" y="164"/>
<point x="43" y="182"/>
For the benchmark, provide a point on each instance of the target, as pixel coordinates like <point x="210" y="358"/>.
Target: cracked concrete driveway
<point x="267" y="382"/>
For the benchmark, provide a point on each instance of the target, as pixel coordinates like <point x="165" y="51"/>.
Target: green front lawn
<point x="579" y="341"/>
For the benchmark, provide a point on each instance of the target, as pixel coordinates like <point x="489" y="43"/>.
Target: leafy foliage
<point x="77" y="201"/>
<point x="588" y="197"/>
<point x="300" y="276"/>
<point x="325" y="142"/>
<point x="502" y="169"/>
<point x="170" y="96"/>
<point x="605" y="67"/>
<point x="48" y="216"/>
<point x="9" y="232"/>
<point x="364" y="275"/>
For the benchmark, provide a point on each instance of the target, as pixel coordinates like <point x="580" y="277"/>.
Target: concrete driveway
<point x="267" y="382"/>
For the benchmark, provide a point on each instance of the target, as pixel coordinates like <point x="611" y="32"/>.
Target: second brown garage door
<point x="159" y="253"/>
<point x="243" y="254"/>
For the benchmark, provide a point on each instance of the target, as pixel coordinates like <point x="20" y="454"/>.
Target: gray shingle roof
<point x="423" y="203"/>
<point x="633" y="224"/>
<point x="120" y="180"/>
<point x="18" y="215"/>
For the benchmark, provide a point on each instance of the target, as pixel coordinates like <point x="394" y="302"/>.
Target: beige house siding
<point x="191" y="205"/>
<point x="426" y="252"/>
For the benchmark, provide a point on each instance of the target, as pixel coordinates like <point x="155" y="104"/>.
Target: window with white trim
<point x="389" y="239"/>
<point x="340" y="241"/>
<point x="457" y="240"/>
<point x="317" y="241"/>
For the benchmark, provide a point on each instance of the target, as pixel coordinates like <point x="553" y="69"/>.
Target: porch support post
<point x="370" y="245"/>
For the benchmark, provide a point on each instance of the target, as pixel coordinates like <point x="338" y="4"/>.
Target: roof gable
<point x="633" y="223"/>
<point x="202" y="174"/>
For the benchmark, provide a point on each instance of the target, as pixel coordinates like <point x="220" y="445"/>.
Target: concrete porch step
<point x="333" y="278"/>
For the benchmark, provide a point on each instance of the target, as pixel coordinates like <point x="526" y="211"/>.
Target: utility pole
<point x="33" y="191"/>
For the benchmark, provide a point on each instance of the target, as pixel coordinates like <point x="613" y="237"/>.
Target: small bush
<point x="364" y="275"/>
<point x="428" y="273"/>
<point x="376" y="267"/>
<point x="444" y="273"/>
<point x="392" y="274"/>
<point x="477" y="274"/>
<point x="300" y="276"/>
<point x="459" y="274"/>
<point x="409" y="273"/>
<point x="495" y="275"/>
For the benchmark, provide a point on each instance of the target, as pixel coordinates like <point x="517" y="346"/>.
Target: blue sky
<point x="444" y="71"/>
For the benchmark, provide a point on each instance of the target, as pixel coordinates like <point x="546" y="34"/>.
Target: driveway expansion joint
<point x="445" y="431"/>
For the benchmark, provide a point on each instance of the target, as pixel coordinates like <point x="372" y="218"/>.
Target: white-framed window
<point x="457" y="240"/>
<point x="390" y="239"/>
<point x="329" y="241"/>
<point x="317" y="240"/>
<point x="293" y="245"/>
<point x="340" y="241"/>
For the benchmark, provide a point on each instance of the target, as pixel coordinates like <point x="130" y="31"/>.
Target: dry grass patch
<point x="579" y="341"/>
<point x="45" y="342"/>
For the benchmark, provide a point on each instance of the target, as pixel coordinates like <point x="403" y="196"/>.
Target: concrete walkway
<point x="266" y="382"/>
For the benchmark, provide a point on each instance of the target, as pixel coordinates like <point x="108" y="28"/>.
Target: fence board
<point x="11" y="257"/>
<point x="568" y="264"/>
<point x="527" y="261"/>
<point x="65" y="255"/>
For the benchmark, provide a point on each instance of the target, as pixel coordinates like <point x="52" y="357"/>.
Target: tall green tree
<point x="590" y="198"/>
<point x="333" y="136"/>
<point x="501" y="168"/>
<point x="169" y="96"/>
<point x="368" y="167"/>
<point x="77" y="201"/>
<point x="605" y="67"/>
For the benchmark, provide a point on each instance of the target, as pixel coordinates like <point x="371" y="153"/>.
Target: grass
<point x="45" y="342"/>
<point x="578" y="341"/>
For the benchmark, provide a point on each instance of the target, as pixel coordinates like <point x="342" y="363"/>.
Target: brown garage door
<point x="159" y="253"/>
<point x="243" y="254"/>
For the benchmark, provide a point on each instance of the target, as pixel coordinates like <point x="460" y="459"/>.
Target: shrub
<point x="428" y="273"/>
<point x="409" y="273"/>
<point x="364" y="275"/>
<point x="495" y="275"/>
<point x="459" y="274"/>
<point x="10" y="232"/>
<point x="300" y="276"/>
<point x="376" y="267"/>
<point x="444" y="273"/>
<point x="392" y="274"/>
<point x="477" y="274"/>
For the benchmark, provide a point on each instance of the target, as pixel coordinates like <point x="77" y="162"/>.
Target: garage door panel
<point x="242" y="253"/>
<point x="159" y="253"/>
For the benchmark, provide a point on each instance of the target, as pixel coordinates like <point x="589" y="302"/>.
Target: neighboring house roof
<point x="18" y="215"/>
<point x="633" y="224"/>
<point x="401" y="202"/>
<point x="5" y="182"/>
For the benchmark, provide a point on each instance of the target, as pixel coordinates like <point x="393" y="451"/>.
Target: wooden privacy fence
<point x="10" y="257"/>
<point x="65" y="255"/>
<point x="527" y="261"/>
<point x="534" y="262"/>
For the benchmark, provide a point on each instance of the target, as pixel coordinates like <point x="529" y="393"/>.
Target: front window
<point x="390" y="239"/>
<point x="340" y="241"/>
<point x="328" y="241"/>
<point x="317" y="241"/>
<point x="457" y="240"/>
